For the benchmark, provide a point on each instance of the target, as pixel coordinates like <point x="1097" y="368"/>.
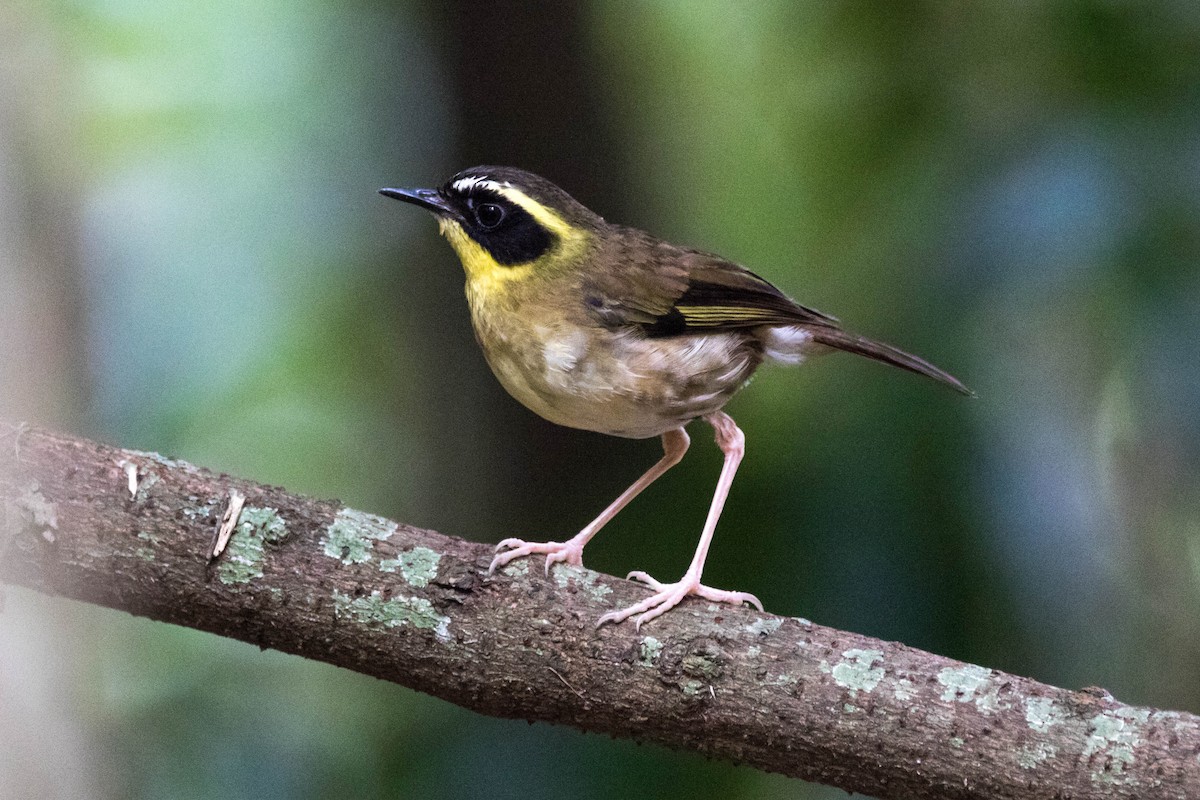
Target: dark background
<point x="193" y="260"/>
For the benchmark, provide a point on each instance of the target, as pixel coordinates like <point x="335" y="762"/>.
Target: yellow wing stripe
<point x="718" y="315"/>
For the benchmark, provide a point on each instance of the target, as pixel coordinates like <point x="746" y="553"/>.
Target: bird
<point x="606" y="328"/>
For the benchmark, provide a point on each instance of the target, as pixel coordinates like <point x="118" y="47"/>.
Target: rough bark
<point x="134" y="530"/>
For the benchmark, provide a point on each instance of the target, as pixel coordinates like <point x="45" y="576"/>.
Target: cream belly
<point x="617" y="382"/>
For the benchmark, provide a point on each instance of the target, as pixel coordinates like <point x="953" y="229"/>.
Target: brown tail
<point x="841" y="340"/>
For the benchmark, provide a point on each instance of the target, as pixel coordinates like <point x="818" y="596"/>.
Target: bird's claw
<point x="643" y="577"/>
<point x="567" y="552"/>
<point x="668" y="595"/>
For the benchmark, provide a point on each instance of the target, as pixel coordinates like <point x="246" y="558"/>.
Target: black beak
<point x="428" y="199"/>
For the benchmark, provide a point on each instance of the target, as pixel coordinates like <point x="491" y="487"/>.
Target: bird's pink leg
<point x="666" y="596"/>
<point x="675" y="444"/>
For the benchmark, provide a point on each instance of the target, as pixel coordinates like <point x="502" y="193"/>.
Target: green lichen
<point x="703" y="665"/>
<point x="1042" y="713"/>
<point x="146" y="482"/>
<point x="957" y="742"/>
<point x="692" y="687"/>
<point x="585" y="579"/>
<point x="971" y="684"/>
<point x="242" y="561"/>
<point x="1115" y="734"/>
<point x="39" y="511"/>
<point x="850" y="708"/>
<point x="764" y="626"/>
<point x="856" y="670"/>
<point x="200" y="513"/>
<point x="418" y="566"/>
<point x="517" y="569"/>
<point x="649" y="650"/>
<point x="147" y="553"/>
<point x="1031" y="755"/>
<point x="352" y="535"/>
<point x="904" y="690"/>
<point x="377" y="612"/>
<point x="264" y="522"/>
<point x="157" y="458"/>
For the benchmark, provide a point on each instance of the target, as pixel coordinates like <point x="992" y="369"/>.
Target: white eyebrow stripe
<point x="465" y="185"/>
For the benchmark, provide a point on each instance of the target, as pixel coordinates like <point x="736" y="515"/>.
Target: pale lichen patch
<point x="904" y="690"/>
<point x="517" y="569"/>
<point x="148" y="481"/>
<point x="764" y="626"/>
<point x="158" y="458"/>
<point x="36" y="509"/>
<point x="856" y="671"/>
<point x="704" y="664"/>
<point x="1042" y="713"/>
<point x="957" y="742"/>
<point x="585" y="579"/>
<point x="242" y="561"/>
<point x="375" y="611"/>
<point x="201" y="512"/>
<point x="971" y="684"/>
<point x="147" y="553"/>
<point x="648" y="651"/>
<point x="265" y="522"/>
<point x="1031" y="755"/>
<point x="352" y="535"/>
<point x="692" y="687"/>
<point x="418" y="566"/>
<point x="1115" y="735"/>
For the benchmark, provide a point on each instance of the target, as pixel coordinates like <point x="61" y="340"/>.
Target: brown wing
<point x="669" y="291"/>
<point x="664" y="291"/>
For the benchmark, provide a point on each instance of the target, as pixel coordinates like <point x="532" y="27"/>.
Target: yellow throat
<point x="486" y="276"/>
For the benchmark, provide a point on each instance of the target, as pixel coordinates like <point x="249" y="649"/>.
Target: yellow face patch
<point x="484" y="273"/>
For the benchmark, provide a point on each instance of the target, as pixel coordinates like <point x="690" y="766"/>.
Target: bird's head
<point x="505" y="223"/>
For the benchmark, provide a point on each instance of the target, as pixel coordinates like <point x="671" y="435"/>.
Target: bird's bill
<point x="428" y="199"/>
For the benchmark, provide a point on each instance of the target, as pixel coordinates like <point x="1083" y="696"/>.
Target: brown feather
<point x="667" y="291"/>
<point x="839" y="339"/>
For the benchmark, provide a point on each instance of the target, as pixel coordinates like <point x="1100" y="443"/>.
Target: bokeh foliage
<point x="193" y="260"/>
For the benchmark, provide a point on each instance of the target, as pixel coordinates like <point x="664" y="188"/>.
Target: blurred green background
<point x="193" y="259"/>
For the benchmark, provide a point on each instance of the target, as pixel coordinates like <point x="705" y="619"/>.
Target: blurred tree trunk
<point x="42" y="378"/>
<point x="538" y="108"/>
<point x="41" y="319"/>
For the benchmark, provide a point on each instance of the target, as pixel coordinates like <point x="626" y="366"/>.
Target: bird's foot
<point x="668" y="595"/>
<point x="568" y="552"/>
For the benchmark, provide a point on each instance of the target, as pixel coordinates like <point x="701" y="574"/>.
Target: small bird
<point x="606" y="328"/>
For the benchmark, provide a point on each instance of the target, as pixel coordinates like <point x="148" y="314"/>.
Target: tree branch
<point x="134" y="531"/>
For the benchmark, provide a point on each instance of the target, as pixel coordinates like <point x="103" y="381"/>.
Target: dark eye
<point x="489" y="215"/>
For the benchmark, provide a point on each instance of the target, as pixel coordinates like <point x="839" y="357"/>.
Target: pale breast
<point x="619" y="382"/>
